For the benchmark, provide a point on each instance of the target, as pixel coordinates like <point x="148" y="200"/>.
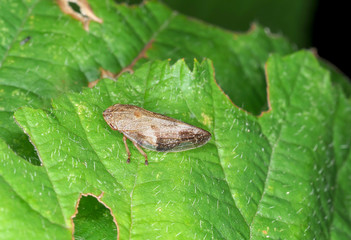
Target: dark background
<point x="319" y="24"/>
<point x="331" y="33"/>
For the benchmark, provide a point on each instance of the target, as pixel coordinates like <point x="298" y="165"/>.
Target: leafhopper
<point x="153" y="131"/>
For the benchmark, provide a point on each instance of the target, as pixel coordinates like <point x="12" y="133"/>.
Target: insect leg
<point x="142" y="152"/>
<point x="127" y="149"/>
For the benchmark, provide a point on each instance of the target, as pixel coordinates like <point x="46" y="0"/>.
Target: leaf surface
<point x="272" y="175"/>
<point x="45" y="53"/>
<point x="284" y="174"/>
<point x="295" y="17"/>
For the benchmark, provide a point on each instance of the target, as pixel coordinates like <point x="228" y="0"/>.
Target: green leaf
<point x="340" y="228"/>
<point x="269" y="176"/>
<point x="29" y="205"/>
<point x="238" y="59"/>
<point x="45" y="55"/>
<point x="92" y="157"/>
<point x="93" y="220"/>
<point x="292" y="18"/>
<point x="301" y="174"/>
<point x="338" y="78"/>
<point x="283" y="175"/>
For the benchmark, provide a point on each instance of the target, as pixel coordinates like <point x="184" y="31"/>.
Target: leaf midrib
<point x="162" y="27"/>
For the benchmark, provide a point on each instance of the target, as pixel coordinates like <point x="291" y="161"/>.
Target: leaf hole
<point x="80" y="10"/>
<point x="20" y="144"/>
<point x="93" y="219"/>
<point x="75" y="7"/>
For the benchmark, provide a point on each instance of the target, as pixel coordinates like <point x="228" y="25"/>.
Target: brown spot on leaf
<point x="93" y="83"/>
<point x="129" y="68"/>
<point x="107" y="74"/>
<point x="103" y="74"/>
<point x="80" y="10"/>
<point x="142" y="54"/>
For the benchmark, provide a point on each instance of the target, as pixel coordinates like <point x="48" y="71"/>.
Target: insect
<point x="153" y="131"/>
<point x="24" y="41"/>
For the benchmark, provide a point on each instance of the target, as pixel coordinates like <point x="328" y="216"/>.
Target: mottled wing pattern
<point x="163" y="136"/>
<point x="155" y="131"/>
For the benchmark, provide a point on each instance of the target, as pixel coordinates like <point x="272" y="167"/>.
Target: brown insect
<point x="153" y="131"/>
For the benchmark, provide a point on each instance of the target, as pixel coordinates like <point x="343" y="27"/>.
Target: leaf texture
<point x="272" y="175"/>
<point x="283" y="174"/>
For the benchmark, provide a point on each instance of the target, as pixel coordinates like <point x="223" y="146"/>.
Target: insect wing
<point x="154" y="131"/>
<point x="167" y="136"/>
